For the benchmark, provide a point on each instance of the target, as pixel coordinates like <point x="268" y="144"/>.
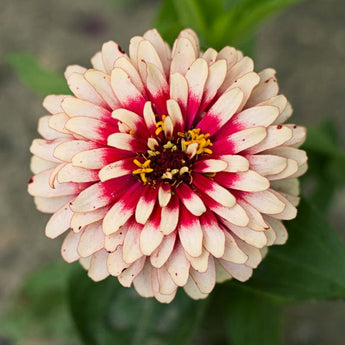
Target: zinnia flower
<point x="168" y="168"/>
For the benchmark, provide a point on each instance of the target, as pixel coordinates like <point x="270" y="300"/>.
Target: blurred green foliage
<point x="39" y="309"/>
<point x="36" y="77"/>
<point x="218" y="22"/>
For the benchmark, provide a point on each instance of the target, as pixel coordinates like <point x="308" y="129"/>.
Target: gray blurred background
<point x="305" y="44"/>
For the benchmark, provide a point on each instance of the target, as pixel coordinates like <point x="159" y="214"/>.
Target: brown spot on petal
<point x="31" y="180"/>
<point x="279" y="127"/>
<point x="121" y="50"/>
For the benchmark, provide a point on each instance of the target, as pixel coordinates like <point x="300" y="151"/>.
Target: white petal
<point x="159" y="257"/>
<point x="98" y="266"/>
<point x="150" y="238"/>
<point x="232" y="252"/>
<point x="131" y="245"/>
<point x="178" y="266"/>
<point x="91" y="240"/>
<point x="69" y="248"/>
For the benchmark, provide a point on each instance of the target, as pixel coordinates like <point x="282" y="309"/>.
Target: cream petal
<point x="279" y="229"/>
<point x="178" y="266"/>
<point x="199" y="263"/>
<point x="235" y="215"/>
<point x="133" y="49"/>
<point x="246" y="83"/>
<point x="221" y="274"/>
<point x="205" y="281"/>
<point x="267" y="164"/>
<point x="214" y="190"/>
<point x="183" y="55"/>
<point x="267" y="88"/>
<point x="164" y="195"/>
<point x="98" y="269"/>
<point x="253" y="238"/>
<point x="254" y="254"/>
<point x="45" y="149"/>
<point x="150" y="238"/>
<point x="145" y="205"/>
<point x="38" y="165"/>
<point x="70" y="173"/>
<point x="160" y="255"/>
<point x="77" y="107"/>
<point x="179" y="90"/>
<point x="213" y="235"/>
<point x="39" y="186"/>
<point x="111" y="242"/>
<point x="82" y="89"/>
<point x="232" y="252"/>
<point x="248" y="181"/>
<point x="190" y="233"/>
<point x="53" y="103"/>
<point x="256" y="116"/>
<point x="276" y="136"/>
<point x="210" y="165"/>
<point x="148" y="54"/>
<point x="238" y="70"/>
<point x="190" y="200"/>
<point x="51" y="205"/>
<point x="192" y="290"/>
<point x="237" y="271"/>
<point x="256" y="221"/>
<point x="166" y="284"/>
<point x="265" y="202"/>
<point x="221" y="112"/>
<point x="175" y="115"/>
<point x="126" y="65"/>
<point x="111" y="51"/>
<point x="97" y="62"/>
<point x="69" y="248"/>
<point x="81" y="219"/>
<point x="216" y="75"/>
<point x="115" y="263"/>
<point x="101" y="82"/>
<point x="128" y="275"/>
<point x="170" y="216"/>
<point x="48" y="132"/>
<point x="157" y="42"/>
<point x="210" y="55"/>
<point x="196" y="77"/>
<point x="91" y="240"/>
<point x="117" y="169"/>
<point x="68" y="149"/>
<point x="131" y="245"/>
<point x="143" y="281"/>
<point x="74" y="69"/>
<point x="59" y="222"/>
<point x="235" y="163"/>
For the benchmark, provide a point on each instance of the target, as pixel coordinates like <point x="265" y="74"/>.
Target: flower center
<point x="170" y="159"/>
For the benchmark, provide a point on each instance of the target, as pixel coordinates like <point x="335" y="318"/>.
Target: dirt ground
<point x="305" y="44"/>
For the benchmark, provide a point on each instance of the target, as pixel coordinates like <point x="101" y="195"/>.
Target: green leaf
<point x="39" y="309"/>
<point x="105" y="311"/>
<point x="310" y="266"/>
<point x="253" y="319"/>
<point x="219" y="22"/>
<point x="326" y="160"/>
<point x="37" y="78"/>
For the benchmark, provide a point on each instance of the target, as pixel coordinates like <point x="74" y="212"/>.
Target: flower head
<point x="168" y="168"/>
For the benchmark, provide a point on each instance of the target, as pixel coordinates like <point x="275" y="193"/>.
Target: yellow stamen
<point x="143" y="169"/>
<point x="160" y="126"/>
<point x="194" y="136"/>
